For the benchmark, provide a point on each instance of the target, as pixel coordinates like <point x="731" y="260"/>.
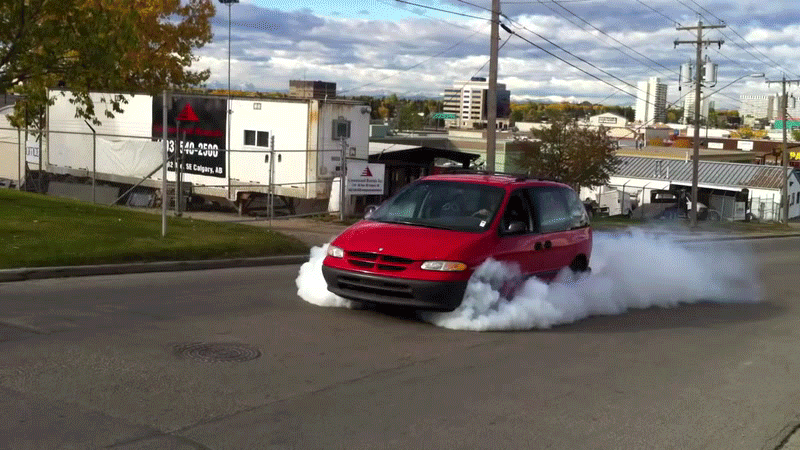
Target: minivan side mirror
<point x="369" y="210"/>
<point x="515" y="227"/>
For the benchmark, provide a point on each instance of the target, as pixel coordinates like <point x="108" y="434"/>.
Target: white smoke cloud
<point x="635" y="270"/>
<point x="311" y="285"/>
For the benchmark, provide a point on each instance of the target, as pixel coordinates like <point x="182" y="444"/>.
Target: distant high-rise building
<point x="467" y="101"/>
<point x="651" y="101"/>
<point x="688" y="107"/>
<point x="758" y="106"/>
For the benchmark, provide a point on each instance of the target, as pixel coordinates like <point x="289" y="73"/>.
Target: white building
<point x="608" y="120"/>
<point x="651" y="101"/>
<point x="718" y="184"/>
<point x="688" y="107"/>
<point x="468" y="101"/>
<point x="757" y="106"/>
<point x="300" y="140"/>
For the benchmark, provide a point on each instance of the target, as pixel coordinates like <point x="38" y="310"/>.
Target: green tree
<point x="98" y="45"/>
<point x="408" y="117"/>
<point x="796" y="135"/>
<point x="567" y="152"/>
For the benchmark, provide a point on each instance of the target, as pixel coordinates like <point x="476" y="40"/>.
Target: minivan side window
<point x="577" y="211"/>
<point x="553" y="208"/>
<point x="517" y="215"/>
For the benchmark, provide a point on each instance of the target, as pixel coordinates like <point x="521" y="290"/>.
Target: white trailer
<point x="303" y="138"/>
<point x="614" y="202"/>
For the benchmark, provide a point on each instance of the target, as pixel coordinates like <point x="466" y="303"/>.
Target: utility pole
<point x="784" y="151"/>
<point x="491" y="100"/>
<point x="698" y="80"/>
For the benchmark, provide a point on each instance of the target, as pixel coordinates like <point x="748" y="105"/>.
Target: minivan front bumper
<point x="418" y="294"/>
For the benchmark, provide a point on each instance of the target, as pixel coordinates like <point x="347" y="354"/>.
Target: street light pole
<point x="228" y="107"/>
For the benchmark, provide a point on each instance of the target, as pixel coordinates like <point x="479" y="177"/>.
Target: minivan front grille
<point x="374" y="287"/>
<point x="368" y="260"/>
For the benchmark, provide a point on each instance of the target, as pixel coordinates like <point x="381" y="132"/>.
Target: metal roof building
<point x="721" y="175"/>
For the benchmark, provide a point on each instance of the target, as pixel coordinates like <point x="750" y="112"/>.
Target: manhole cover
<point x="217" y="352"/>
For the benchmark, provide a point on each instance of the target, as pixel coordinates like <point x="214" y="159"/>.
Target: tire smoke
<point x="629" y="271"/>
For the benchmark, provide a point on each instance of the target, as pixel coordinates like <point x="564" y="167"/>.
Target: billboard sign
<point x="202" y="122"/>
<point x="365" y="178"/>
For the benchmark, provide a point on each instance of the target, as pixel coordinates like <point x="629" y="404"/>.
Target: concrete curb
<point x="39" y="273"/>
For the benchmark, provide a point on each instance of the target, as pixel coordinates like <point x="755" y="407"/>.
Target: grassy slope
<point x="44" y="231"/>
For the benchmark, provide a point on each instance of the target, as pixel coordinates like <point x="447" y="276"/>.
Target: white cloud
<point x="421" y="52"/>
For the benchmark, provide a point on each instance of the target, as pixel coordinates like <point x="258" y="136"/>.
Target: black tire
<point x="579" y="265"/>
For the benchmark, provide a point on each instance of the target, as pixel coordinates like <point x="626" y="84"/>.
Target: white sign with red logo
<point x="365" y="178"/>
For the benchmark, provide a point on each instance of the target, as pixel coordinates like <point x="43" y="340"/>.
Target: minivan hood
<point x="405" y="241"/>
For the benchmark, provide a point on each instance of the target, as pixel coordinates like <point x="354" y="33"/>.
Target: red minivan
<point x="420" y="247"/>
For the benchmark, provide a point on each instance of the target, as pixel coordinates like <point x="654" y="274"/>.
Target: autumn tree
<point x="567" y="152"/>
<point x="98" y="45"/>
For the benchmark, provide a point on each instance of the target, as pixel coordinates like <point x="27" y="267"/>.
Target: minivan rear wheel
<point x="579" y="264"/>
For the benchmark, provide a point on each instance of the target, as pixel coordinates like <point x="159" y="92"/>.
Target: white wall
<point x="287" y="122"/>
<point x="12" y="165"/>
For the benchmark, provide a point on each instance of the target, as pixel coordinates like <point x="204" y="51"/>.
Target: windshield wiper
<point x="417" y="224"/>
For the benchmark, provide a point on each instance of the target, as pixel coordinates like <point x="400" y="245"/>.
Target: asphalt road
<point x="91" y="363"/>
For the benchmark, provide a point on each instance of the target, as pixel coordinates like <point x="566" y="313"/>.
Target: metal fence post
<point x="164" y="136"/>
<point x="94" y="159"/>
<point x="177" y="157"/>
<point x="20" y="157"/>
<point x="271" y="177"/>
<point x="343" y="181"/>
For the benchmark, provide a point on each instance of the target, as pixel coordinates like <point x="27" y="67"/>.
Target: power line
<point x="612" y="38"/>
<point x="573" y="55"/>
<point x="658" y="12"/>
<point x="415" y="65"/>
<point x="759" y="59"/>
<point x="442" y="10"/>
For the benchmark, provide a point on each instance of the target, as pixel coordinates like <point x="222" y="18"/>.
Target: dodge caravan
<point x="420" y="247"/>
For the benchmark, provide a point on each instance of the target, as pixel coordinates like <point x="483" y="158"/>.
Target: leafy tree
<point x="796" y="135"/>
<point x="408" y="117"/>
<point x="565" y="151"/>
<point x="743" y="133"/>
<point x="98" y="45"/>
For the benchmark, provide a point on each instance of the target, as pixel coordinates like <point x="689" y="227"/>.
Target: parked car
<point x="420" y="247"/>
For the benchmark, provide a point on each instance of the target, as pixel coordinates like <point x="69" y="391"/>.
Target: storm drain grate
<point x="217" y="352"/>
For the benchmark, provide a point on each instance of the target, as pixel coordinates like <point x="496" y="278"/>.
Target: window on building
<point x="341" y="128"/>
<point x="249" y="137"/>
<point x="256" y="138"/>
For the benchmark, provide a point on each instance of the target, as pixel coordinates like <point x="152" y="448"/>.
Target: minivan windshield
<point x="443" y="204"/>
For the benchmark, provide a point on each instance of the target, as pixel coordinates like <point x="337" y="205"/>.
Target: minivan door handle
<point x="547" y="244"/>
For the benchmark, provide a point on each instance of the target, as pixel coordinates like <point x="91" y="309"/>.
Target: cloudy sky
<point x="573" y="50"/>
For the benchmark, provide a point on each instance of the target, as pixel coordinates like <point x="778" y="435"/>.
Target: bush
<point x="682" y="143"/>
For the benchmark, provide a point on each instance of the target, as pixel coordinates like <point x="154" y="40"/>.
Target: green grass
<point x="38" y="231"/>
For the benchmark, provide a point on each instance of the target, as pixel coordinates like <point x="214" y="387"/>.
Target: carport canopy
<point x="381" y="152"/>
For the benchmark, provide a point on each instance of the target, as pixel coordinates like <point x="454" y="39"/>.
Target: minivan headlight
<point x="335" y="251"/>
<point x="444" y="266"/>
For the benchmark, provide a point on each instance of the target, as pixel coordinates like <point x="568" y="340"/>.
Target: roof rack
<point x="518" y="176"/>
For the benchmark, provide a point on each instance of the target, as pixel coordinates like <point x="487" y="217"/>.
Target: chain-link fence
<point x="625" y="199"/>
<point x="128" y="169"/>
